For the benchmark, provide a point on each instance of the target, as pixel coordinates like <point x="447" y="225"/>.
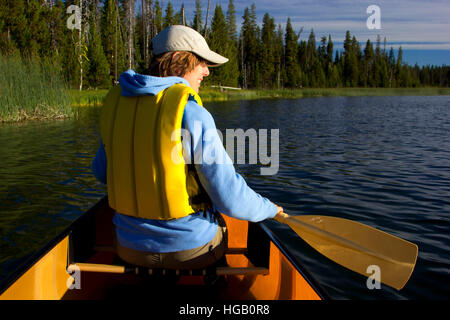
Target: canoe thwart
<point x="220" y="271"/>
<point x="236" y="251"/>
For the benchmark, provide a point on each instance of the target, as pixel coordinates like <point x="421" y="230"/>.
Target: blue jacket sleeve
<point x="99" y="164"/>
<point x="227" y="189"/>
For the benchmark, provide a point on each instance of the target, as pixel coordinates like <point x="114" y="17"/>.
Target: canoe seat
<point x="220" y="271"/>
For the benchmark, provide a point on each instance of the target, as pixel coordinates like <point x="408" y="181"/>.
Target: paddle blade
<point x="357" y="247"/>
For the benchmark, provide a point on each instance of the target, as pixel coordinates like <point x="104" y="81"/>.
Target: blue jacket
<point x="227" y="189"/>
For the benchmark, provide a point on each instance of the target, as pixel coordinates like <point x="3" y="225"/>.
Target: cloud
<point x="401" y="20"/>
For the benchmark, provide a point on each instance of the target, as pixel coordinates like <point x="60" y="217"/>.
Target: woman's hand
<point x="279" y="209"/>
<point x="280" y="213"/>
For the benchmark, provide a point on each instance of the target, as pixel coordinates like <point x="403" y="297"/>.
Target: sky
<point x="420" y="27"/>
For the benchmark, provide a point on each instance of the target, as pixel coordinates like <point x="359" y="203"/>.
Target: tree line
<point x="112" y="37"/>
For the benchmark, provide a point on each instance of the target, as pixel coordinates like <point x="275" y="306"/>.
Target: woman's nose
<point x="206" y="71"/>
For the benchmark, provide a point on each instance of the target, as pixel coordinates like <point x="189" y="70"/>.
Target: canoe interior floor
<point x="120" y="287"/>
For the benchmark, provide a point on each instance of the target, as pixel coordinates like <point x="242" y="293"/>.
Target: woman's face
<point x="195" y="77"/>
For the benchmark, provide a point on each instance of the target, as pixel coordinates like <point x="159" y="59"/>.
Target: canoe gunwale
<point x="29" y="262"/>
<point x="295" y="262"/>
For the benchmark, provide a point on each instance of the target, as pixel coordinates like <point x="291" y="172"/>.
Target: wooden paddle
<point x="357" y="246"/>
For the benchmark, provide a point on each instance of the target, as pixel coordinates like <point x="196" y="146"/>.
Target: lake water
<point x="381" y="161"/>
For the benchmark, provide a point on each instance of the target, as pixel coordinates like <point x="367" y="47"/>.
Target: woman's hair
<point x="174" y="63"/>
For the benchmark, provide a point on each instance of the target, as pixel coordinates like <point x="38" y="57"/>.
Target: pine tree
<point x="218" y="43"/>
<point x="328" y="65"/>
<point x="226" y="74"/>
<point x="54" y="17"/>
<point x="249" y="48"/>
<point x="69" y="58"/>
<point x="129" y="30"/>
<point x="311" y="53"/>
<point x="290" y="57"/>
<point x="113" y="46"/>
<point x="232" y="66"/>
<point x="367" y="71"/>
<point x="138" y="60"/>
<point x="358" y="61"/>
<point x="206" y="27"/>
<point x="303" y="64"/>
<point x="313" y="61"/>
<point x="279" y="54"/>
<point x="2" y="27"/>
<point x="231" y="22"/>
<point x="169" y="18"/>
<point x="97" y="74"/>
<point x="346" y="63"/>
<point x="144" y="33"/>
<point x="350" y="63"/>
<point x="179" y="17"/>
<point x="268" y="52"/>
<point x="401" y="74"/>
<point x="377" y="64"/>
<point x="322" y="50"/>
<point x="35" y="30"/>
<point x="13" y="25"/>
<point x="329" y="50"/>
<point x="380" y="66"/>
<point x="322" y="64"/>
<point x="391" y="68"/>
<point x="197" y="21"/>
<point x="80" y="39"/>
<point x="158" y="19"/>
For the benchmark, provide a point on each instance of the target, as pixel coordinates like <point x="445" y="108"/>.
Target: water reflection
<point x="46" y="182"/>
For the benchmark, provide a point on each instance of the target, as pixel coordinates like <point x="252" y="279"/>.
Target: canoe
<point x="80" y="263"/>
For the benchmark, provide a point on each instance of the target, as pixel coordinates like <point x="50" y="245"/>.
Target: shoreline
<point x="210" y="95"/>
<point x="93" y="98"/>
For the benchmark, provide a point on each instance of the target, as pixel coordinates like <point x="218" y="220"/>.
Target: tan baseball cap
<point x="182" y="38"/>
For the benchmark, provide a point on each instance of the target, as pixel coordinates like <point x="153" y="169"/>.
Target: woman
<point x="167" y="198"/>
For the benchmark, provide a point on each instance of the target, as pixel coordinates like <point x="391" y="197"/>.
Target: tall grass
<point x="31" y="90"/>
<point x="87" y="98"/>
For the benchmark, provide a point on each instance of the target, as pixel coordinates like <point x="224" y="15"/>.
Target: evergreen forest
<point x="112" y="36"/>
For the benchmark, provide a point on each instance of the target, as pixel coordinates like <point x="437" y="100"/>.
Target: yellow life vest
<point x="147" y="176"/>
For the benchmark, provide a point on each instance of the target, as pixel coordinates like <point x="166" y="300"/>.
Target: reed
<point x="87" y="98"/>
<point x="32" y="90"/>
